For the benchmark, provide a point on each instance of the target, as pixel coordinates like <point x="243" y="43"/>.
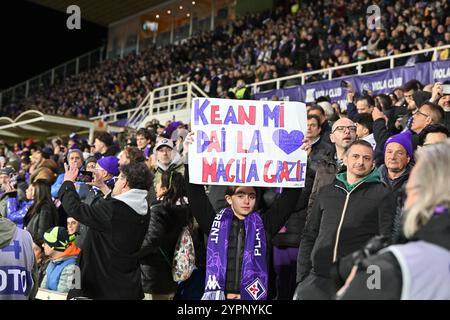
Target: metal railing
<point x="168" y="102"/>
<point x="176" y="99"/>
<point x="47" y="78"/>
<point x="277" y="83"/>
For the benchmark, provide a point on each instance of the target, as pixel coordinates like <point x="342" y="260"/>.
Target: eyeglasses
<point x="421" y="113"/>
<point x="342" y="128"/>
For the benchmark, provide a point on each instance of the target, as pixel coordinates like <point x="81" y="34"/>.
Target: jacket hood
<point x="374" y="176"/>
<point x="175" y="161"/>
<point x="136" y="199"/>
<point x="7" y="231"/>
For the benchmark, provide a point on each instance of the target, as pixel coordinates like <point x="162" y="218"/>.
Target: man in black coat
<point x="117" y="225"/>
<point x="346" y="214"/>
<point x="398" y="162"/>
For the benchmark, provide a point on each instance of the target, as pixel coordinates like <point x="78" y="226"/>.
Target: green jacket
<point x="374" y="176"/>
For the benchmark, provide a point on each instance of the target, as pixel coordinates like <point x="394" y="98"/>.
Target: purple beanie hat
<point x="110" y="164"/>
<point x="405" y="139"/>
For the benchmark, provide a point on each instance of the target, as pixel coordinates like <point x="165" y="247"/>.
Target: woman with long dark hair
<point x="42" y="215"/>
<point x="169" y="214"/>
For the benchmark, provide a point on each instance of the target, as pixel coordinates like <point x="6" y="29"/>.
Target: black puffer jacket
<point x="273" y="219"/>
<point x="370" y="211"/>
<point x="158" y="247"/>
<point x="45" y="218"/>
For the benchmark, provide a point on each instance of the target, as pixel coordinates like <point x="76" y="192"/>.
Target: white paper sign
<point x="246" y="142"/>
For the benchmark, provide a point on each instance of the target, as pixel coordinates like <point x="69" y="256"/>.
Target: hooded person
<point x="117" y="226"/>
<point x="61" y="268"/>
<point x="166" y="159"/>
<point x="346" y="214"/>
<point x="14" y="240"/>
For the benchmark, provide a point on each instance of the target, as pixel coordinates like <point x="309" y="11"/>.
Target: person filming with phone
<point x="8" y="185"/>
<point x="74" y="159"/>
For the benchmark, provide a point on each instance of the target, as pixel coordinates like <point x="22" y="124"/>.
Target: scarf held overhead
<point x="254" y="267"/>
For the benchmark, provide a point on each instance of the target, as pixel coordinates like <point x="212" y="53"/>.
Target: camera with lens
<point x="342" y="268"/>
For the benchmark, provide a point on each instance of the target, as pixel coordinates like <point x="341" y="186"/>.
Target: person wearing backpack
<point x="169" y="215"/>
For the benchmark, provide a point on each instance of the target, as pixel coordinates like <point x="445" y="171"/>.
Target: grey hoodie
<point x="7" y="231"/>
<point x="176" y="160"/>
<point x="136" y="199"/>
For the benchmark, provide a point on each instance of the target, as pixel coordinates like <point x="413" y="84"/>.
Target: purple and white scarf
<point x="254" y="267"/>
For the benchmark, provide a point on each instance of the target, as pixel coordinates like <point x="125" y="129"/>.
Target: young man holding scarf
<point x="237" y="257"/>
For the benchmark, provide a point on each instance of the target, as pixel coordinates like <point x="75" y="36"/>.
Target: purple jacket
<point x="16" y="210"/>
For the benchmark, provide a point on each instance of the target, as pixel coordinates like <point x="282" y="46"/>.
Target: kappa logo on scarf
<point x="212" y="283"/>
<point x="256" y="289"/>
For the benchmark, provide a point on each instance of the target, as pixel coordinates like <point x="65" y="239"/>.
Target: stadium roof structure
<point x="38" y="126"/>
<point x="102" y="12"/>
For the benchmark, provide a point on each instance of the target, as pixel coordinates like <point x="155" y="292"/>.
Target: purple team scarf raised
<point x="254" y="267"/>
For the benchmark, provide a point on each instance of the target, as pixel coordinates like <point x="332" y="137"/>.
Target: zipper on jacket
<point x="238" y="256"/>
<point x="344" y="211"/>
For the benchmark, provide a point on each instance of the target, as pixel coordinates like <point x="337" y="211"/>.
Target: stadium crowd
<point x="117" y="218"/>
<point x="291" y="39"/>
<point x="120" y="202"/>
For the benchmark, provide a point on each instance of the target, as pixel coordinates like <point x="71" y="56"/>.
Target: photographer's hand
<point x="70" y="173"/>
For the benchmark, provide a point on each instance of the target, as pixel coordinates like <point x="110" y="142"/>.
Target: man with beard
<point x="346" y="214"/>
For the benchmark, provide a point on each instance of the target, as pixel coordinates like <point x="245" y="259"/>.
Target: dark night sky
<point x="34" y="39"/>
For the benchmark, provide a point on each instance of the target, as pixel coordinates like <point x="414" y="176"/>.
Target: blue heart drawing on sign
<point x="288" y="142"/>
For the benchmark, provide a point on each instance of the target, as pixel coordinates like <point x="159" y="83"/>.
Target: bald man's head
<point x="343" y="133"/>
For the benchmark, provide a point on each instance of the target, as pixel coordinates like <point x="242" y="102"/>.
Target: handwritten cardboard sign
<point x="245" y="142"/>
